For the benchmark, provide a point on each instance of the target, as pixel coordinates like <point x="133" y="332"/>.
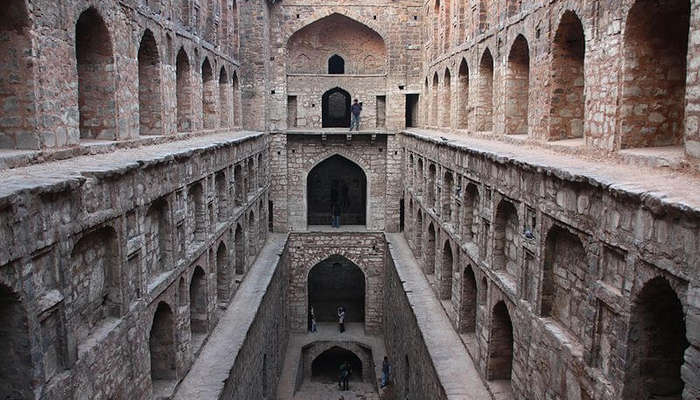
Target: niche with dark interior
<point x="338" y="181"/>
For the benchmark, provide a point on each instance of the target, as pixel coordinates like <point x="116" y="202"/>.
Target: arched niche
<point x="336" y="180"/>
<point x="337" y="282"/>
<point x="335" y="34"/>
<point x="324" y="368"/>
<point x="335" y="108"/>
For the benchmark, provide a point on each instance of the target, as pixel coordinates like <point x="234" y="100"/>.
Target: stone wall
<point x="581" y="65"/>
<point x="108" y="71"/>
<point x="260" y="358"/>
<point x="565" y="261"/>
<point x="364" y="249"/>
<point x="412" y="366"/>
<point x="96" y="246"/>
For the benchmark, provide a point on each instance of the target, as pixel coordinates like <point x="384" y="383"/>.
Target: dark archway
<point x="468" y="305"/>
<point x="150" y="111"/>
<point x="336" y="108"/>
<point x="239" y="238"/>
<point x="198" y="302"/>
<point x="500" y="362"/>
<point x="161" y="343"/>
<point x="336" y="65"/>
<point x="446" y="272"/>
<point x="326" y="366"/>
<point x="566" y="114"/>
<point x="339" y="181"/>
<point x="16" y="369"/>
<point x="657" y="341"/>
<point x="337" y="281"/>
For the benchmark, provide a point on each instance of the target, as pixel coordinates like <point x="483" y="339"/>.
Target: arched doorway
<point x="16" y="370"/>
<point x="335" y="282"/>
<point x="336" y="65"/>
<point x="325" y="367"/>
<point x="657" y="341"/>
<point x="500" y="362"/>
<point x="336" y="109"/>
<point x="161" y="343"/>
<point x="340" y="182"/>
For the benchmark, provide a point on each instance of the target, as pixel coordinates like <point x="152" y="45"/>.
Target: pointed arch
<point x="335" y="105"/>
<point x="500" y="347"/>
<point x="161" y="344"/>
<point x="199" y="320"/>
<point x="224" y="108"/>
<point x="183" y="91"/>
<point x="430" y="250"/>
<point x="150" y="108"/>
<point x="236" y="101"/>
<point x="446" y="105"/>
<point x="336" y="64"/>
<point x="333" y="282"/>
<point x="518" y="87"/>
<point x="468" y="303"/>
<point x="485" y="101"/>
<point x="239" y="239"/>
<point x="434" y="102"/>
<point x="340" y="182"/>
<point x="446" y="268"/>
<point x="463" y="110"/>
<point x="209" y="120"/>
<point x="96" y="79"/>
<point x="223" y="274"/>
<point x="567" y="110"/>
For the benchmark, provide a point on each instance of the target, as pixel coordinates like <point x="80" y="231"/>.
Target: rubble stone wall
<point x="92" y="249"/>
<point x="584" y="255"/>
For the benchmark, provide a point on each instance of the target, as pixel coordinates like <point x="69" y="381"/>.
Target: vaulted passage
<point x="96" y="84"/>
<point x="567" y="101"/>
<point x="505" y="234"/>
<point x="183" y="92"/>
<point x="518" y="87"/>
<point x="150" y="110"/>
<point x="16" y="96"/>
<point x="337" y="282"/>
<point x="16" y="368"/>
<point x="326" y="366"/>
<point x="336" y="184"/>
<point x="224" y="93"/>
<point x="446" y="272"/>
<point x="654" y="71"/>
<point x="500" y="358"/>
<point x="463" y="110"/>
<point x="468" y="305"/>
<point x="657" y="340"/>
<point x="198" y="302"/>
<point x="336" y="108"/>
<point x="161" y="343"/>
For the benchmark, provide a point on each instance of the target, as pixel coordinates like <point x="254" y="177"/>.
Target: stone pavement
<point x="206" y="378"/>
<point x="457" y="373"/>
<point x="317" y="390"/>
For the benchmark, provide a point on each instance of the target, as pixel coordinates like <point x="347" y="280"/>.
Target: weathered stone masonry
<point x="572" y="259"/>
<point x="87" y="281"/>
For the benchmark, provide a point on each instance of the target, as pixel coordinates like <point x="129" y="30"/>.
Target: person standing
<point x="341" y="319"/>
<point x="313" y="320"/>
<point x="386" y="371"/>
<point x="335" y="217"/>
<point x="342" y="379"/>
<point x="355" y="110"/>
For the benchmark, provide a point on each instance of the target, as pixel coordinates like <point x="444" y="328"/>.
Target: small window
<point x="336" y="65"/>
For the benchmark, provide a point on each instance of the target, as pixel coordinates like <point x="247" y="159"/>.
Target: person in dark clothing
<point x="335" y="215"/>
<point x="355" y="110"/>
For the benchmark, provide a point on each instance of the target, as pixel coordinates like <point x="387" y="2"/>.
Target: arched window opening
<point x="463" y="96"/>
<point x="485" y="102"/>
<point x="568" y="83"/>
<point x="419" y="178"/>
<point x="336" y="185"/>
<point x="448" y="189"/>
<point x="96" y="84"/>
<point x="470" y="213"/>
<point x="446" y="105"/>
<point x="337" y="282"/>
<point x="16" y="93"/>
<point x="419" y="232"/>
<point x="224" y="109"/>
<point x="183" y="92"/>
<point x="657" y="341"/>
<point x="16" y="371"/>
<point x="446" y="268"/>
<point x="150" y="110"/>
<point x="239" y="238"/>
<point x="252" y="237"/>
<point x="336" y="65"/>
<point x="335" y="105"/>
<point x="500" y="355"/>
<point x="240" y="187"/>
<point x="468" y="305"/>
<point x="518" y="87"/>
<point x="235" y="102"/>
<point x="430" y="186"/>
<point x="324" y="368"/>
<point x="199" y="321"/>
<point x="161" y="344"/>
<point x="654" y="73"/>
<point x="434" y="102"/>
<point x="221" y="195"/>
<point x="208" y="96"/>
<point x="223" y="274"/>
<point x="157" y="239"/>
<point x="430" y="250"/>
<point x="506" y="233"/>
<point x="196" y="214"/>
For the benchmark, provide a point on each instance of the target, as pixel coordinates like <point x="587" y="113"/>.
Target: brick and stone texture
<point x="364" y="249"/>
<point x="106" y="257"/>
<point x="564" y="70"/>
<point x="551" y="275"/>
